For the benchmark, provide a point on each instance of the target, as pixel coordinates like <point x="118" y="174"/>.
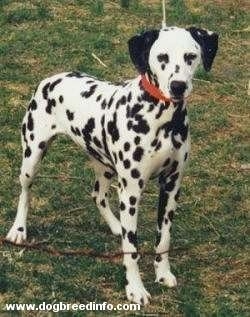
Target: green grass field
<point x="209" y="236"/>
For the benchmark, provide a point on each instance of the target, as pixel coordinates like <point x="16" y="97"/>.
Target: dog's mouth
<point x="176" y="98"/>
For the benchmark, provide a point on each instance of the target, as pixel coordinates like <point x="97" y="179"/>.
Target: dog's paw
<point x="17" y="234"/>
<point x="137" y="293"/>
<point x="167" y="279"/>
<point x="116" y="228"/>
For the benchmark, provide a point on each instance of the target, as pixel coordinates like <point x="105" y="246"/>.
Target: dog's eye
<point x="163" y="58"/>
<point x="189" y="57"/>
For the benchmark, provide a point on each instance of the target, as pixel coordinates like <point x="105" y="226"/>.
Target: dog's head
<point x="170" y="57"/>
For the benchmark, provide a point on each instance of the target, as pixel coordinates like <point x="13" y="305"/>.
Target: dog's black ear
<point x="208" y="42"/>
<point x="139" y="48"/>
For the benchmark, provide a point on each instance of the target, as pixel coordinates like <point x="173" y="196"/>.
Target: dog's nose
<point x="178" y="87"/>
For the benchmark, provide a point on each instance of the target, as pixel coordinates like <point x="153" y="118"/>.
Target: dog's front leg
<point x="129" y="199"/>
<point x="169" y="192"/>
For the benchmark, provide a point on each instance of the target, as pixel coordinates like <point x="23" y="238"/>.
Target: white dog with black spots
<point x="135" y="131"/>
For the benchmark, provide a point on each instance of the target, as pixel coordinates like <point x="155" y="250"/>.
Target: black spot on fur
<point x="136" y="108"/>
<point x="126" y="146"/>
<point x="132" y="200"/>
<point x="88" y="130"/>
<point x="130" y="125"/>
<point x="113" y="130"/>
<point x="163" y="66"/>
<point x="137" y="140"/>
<point x="151" y="107"/>
<point x="124" y="234"/>
<point x="61" y="99"/>
<point x="104" y="104"/>
<point x="129" y="96"/>
<point x="110" y="101"/>
<point x="126" y="163"/>
<point x="30" y="124"/>
<point x="53" y="126"/>
<point x="75" y="131"/>
<point x="141" y="126"/>
<point x="166" y="163"/>
<point x="141" y="183"/>
<point x="53" y="85"/>
<point x="27" y="152"/>
<point x="90" y="92"/>
<point x="186" y="156"/>
<point x="176" y="125"/>
<point x="20" y="229"/>
<point x="171" y="215"/>
<point x="154" y="142"/>
<point x="103" y="203"/>
<point x="134" y="255"/>
<point x="108" y="175"/>
<point x="97" y="142"/>
<point x="45" y="91"/>
<point x="174" y="167"/>
<point x="32" y="105"/>
<point x="158" y="239"/>
<point x="98" y="97"/>
<point x="171" y="184"/>
<point x="188" y="58"/>
<point x="115" y="157"/>
<point x="70" y="115"/>
<point x="51" y="103"/>
<point x="42" y="145"/>
<point x="121" y="101"/>
<point x="132" y="238"/>
<point x="159" y="144"/>
<point x="163" y="58"/>
<point x="120" y="154"/>
<point x="75" y="74"/>
<point x="177" y="68"/>
<point x="27" y="175"/>
<point x="24" y="129"/>
<point x="132" y="211"/>
<point x="124" y="182"/>
<point x="162" y="108"/>
<point x="97" y="186"/>
<point x="122" y="206"/>
<point x="163" y="199"/>
<point x="138" y="153"/>
<point x="135" y="173"/>
<point x="158" y="258"/>
<point x="32" y="137"/>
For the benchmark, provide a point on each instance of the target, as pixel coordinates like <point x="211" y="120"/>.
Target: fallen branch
<point x="69" y="252"/>
<point x="98" y="59"/>
<point x="202" y="80"/>
<point x="238" y="116"/>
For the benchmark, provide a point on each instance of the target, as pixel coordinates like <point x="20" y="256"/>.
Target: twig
<point x="238" y="116"/>
<point x="247" y="29"/>
<point x="202" y="80"/>
<point x="75" y="209"/>
<point x="98" y="59"/>
<point x="245" y="167"/>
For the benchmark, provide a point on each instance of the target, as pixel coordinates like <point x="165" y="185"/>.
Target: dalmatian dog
<point x="135" y="131"/>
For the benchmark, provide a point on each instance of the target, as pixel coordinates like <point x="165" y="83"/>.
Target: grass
<point x="209" y="237"/>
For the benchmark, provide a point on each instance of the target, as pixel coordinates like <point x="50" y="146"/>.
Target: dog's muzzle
<point x="177" y="89"/>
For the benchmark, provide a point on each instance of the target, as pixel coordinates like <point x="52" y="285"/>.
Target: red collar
<point x="153" y="90"/>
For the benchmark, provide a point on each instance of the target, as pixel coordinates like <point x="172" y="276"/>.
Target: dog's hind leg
<point x="100" y="193"/>
<point x="36" y="136"/>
